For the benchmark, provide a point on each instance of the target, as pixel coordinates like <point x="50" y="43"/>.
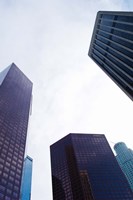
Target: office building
<point x="85" y="168"/>
<point x="15" y="104"/>
<point x="124" y="157"/>
<point x="112" y="47"/>
<point x="26" y="179"/>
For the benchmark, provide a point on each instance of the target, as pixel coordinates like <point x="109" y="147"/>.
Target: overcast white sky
<point x="49" y="42"/>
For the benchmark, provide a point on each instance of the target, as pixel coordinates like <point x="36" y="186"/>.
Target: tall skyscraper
<point x="112" y="47"/>
<point x="124" y="157"/>
<point x="15" y="102"/>
<point x="26" y="179"/>
<point x="85" y="168"/>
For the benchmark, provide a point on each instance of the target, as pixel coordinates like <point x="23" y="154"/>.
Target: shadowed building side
<point x="87" y="169"/>
<point x="111" y="47"/>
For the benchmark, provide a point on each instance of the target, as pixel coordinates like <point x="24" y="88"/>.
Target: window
<point x="6" y="169"/>
<point x="16" y="182"/>
<point x="8" y="159"/>
<point x="11" y="178"/>
<point x="17" y="176"/>
<point x="3" y="181"/>
<point x="15" y="194"/>
<point x="1" y="195"/>
<point x="7" y="164"/>
<point x="7" y="198"/>
<point x="12" y="173"/>
<point x="2" y="188"/>
<point x="10" y="185"/>
<point x="5" y="175"/>
<point x="8" y="191"/>
<point x="1" y="160"/>
<point x="16" y="188"/>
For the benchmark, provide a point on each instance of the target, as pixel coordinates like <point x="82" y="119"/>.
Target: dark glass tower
<point x="85" y="168"/>
<point x="112" y="47"/>
<point x="15" y="101"/>
<point x="124" y="157"/>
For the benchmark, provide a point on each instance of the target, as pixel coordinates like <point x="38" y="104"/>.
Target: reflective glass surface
<point x="15" y="99"/>
<point x="113" y="33"/>
<point x="86" y="169"/>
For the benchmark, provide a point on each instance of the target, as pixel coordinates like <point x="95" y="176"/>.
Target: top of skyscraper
<point x="6" y="70"/>
<point x="112" y="47"/>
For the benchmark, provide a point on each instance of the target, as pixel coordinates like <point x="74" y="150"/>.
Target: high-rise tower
<point x="26" y="179"/>
<point x="124" y="157"/>
<point x="85" y="168"/>
<point x="15" y="102"/>
<point x="112" y="47"/>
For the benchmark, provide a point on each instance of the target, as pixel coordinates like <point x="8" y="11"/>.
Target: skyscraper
<point x="15" y="102"/>
<point x="85" y="168"/>
<point x="112" y="47"/>
<point x="26" y="179"/>
<point x="124" y="157"/>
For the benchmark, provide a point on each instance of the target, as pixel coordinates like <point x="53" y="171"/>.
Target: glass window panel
<point x="123" y="34"/>
<point x="10" y="185"/>
<point x="9" y="191"/>
<point x="107" y="23"/>
<point x="102" y="39"/>
<point x="124" y="26"/>
<point x="101" y="44"/>
<point x="2" y="188"/>
<point x="122" y="58"/>
<point x="122" y="42"/>
<point x="105" y="28"/>
<point x="15" y="194"/>
<point x="1" y="195"/>
<point x="7" y="198"/>
<point x="106" y="16"/>
<point x="104" y="34"/>
<point x="125" y="18"/>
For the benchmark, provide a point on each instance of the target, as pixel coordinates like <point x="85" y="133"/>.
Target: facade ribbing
<point x="112" y="47"/>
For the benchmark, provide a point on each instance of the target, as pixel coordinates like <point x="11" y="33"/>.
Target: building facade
<point x="112" y="47"/>
<point x="85" y="168"/>
<point x="15" y="102"/>
<point x="26" y="179"/>
<point x="124" y="157"/>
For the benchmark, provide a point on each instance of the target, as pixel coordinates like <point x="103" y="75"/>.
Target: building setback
<point x="85" y="168"/>
<point x="26" y="179"/>
<point x="124" y="157"/>
<point x="112" y="47"/>
<point x="15" y="102"/>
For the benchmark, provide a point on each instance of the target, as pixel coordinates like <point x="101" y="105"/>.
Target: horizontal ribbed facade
<point x="112" y="47"/>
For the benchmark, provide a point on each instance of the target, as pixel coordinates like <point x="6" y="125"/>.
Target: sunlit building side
<point x="124" y="157"/>
<point x="26" y="179"/>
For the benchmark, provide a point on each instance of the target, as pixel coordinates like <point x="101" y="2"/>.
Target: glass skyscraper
<point x="112" y="47"/>
<point x="26" y="179"/>
<point x="124" y="157"/>
<point x="85" y="168"/>
<point x="15" y="102"/>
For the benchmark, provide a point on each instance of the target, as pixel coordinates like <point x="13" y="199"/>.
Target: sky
<point x="49" y="42"/>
